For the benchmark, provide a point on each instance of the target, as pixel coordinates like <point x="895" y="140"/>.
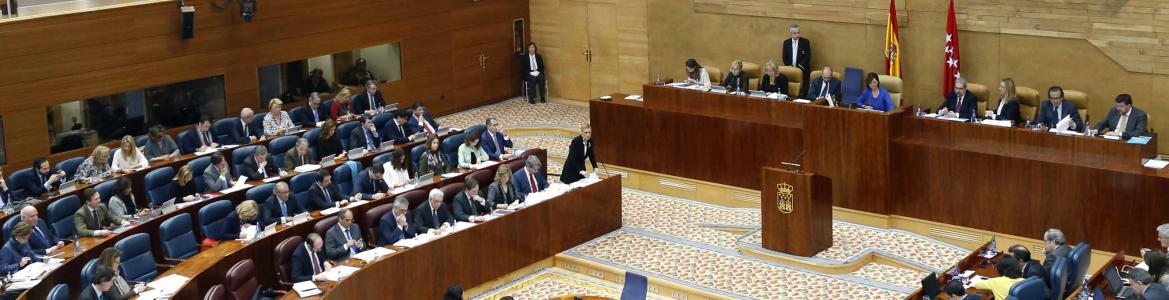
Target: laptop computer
<point x="1117" y="284"/>
<point x="443" y="130"/>
<point x="328" y="160"/>
<point x="356" y="153"/>
<point x="760" y="94"/>
<point x="68" y="186"/>
<point x="930" y="286"/>
<point x="168" y="206"/>
<point x="424" y="179"/>
<point x="388" y="145"/>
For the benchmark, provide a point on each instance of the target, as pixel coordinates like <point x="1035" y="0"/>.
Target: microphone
<point x="793" y="164"/>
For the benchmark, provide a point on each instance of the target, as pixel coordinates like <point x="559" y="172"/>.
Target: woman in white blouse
<point x="127" y="157"/>
<point x="276" y="121"/>
<point x="396" y="169"/>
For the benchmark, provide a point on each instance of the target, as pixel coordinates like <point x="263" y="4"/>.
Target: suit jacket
<point x="252" y="171"/>
<point x="494" y="147"/>
<point x="211" y="179"/>
<point x="391" y="132"/>
<point x="35" y="184"/>
<point x="441" y="166"/>
<point x="779" y="84"/>
<point x="232" y="226"/>
<point x="357" y="139"/>
<point x="1061" y="251"/>
<point x="11" y="254"/>
<point x="417" y="127"/>
<point x="292" y="160"/>
<point x="818" y="85"/>
<point x="465" y="208"/>
<point x="575" y="162"/>
<point x="329" y="146"/>
<point x="272" y="212"/>
<point x="1155" y="292"/>
<point x="42" y="237"/>
<point x="1049" y="117"/>
<point x="82" y="219"/>
<point x="495" y="195"/>
<point x="519" y="181"/>
<point x="969" y="104"/>
<point x="803" y="54"/>
<point x="302" y="264"/>
<point x="237" y="135"/>
<point x="190" y="142"/>
<point x="424" y="220"/>
<point x="389" y="232"/>
<point x="335" y="248"/>
<point x="1010" y="112"/>
<point x="1035" y="268"/>
<point x="369" y="186"/>
<point x="526" y="65"/>
<point x="736" y="83"/>
<point x="306" y="115"/>
<point x="361" y="102"/>
<point x="88" y="293"/>
<point x="317" y="199"/>
<point x="1136" y="125"/>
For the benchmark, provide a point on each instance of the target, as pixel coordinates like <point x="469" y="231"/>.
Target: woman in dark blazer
<point x="1008" y="106"/>
<point x="580" y="149"/>
<point x="773" y="81"/>
<point x="185" y="185"/>
<point x="500" y="193"/>
<point x="329" y="142"/>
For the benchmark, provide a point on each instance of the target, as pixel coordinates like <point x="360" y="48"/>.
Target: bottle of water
<point x="1084" y="294"/>
<point x="77" y="248"/>
<point x="658" y="81"/>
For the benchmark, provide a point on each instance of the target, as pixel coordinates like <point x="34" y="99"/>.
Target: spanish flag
<point x="892" y="43"/>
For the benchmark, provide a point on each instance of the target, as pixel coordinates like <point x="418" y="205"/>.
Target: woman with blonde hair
<point x="737" y="79"/>
<point x="96" y="167"/>
<point x="244" y="214"/>
<point x="340" y="106"/>
<point x="500" y="193"/>
<point x="276" y="121"/>
<point x="773" y="81"/>
<point x="127" y="157"/>
<point x="185" y="185"/>
<point x="1008" y="106"/>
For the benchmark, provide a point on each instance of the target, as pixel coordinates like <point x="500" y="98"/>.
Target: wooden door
<point x="604" y="73"/>
<point x="568" y="67"/>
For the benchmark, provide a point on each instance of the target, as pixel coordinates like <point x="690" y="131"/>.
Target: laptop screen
<point x="1113" y="276"/>
<point x="930" y="285"/>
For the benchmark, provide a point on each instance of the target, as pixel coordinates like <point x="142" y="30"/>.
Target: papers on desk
<point x="356" y="203"/>
<point x="22" y="285"/>
<point x="299" y="218"/>
<point x="633" y="97"/>
<point x="373" y="254"/>
<point x="1139" y="140"/>
<point x="803" y="101"/>
<point x="330" y="211"/>
<point x="1065" y="123"/>
<point x="168" y="285"/>
<point x="307" y="168"/>
<point x="450" y="175"/>
<point x="248" y="232"/>
<point x="33" y="271"/>
<point x="338" y="273"/>
<point x="271" y="179"/>
<point x="484" y="164"/>
<point x="1155" y="164"/>
<point x="402" y="189"/>
<point x="553" y="190"/>
<point x="459" y="226"/>
<point x="306" y="289"/>
<point x="1110" y="136"/>
<point x="241" y="183"/>
<point x="417" y="240"/>
<point x="1064" y="131"/>
<point x="999" y="123"/>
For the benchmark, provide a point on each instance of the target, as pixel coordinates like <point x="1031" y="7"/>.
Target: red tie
<point x="532" y="182"/>
<point x="313" y="257"/>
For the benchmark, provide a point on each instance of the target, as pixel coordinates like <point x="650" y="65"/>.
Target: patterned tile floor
<point x="554" y="282"/>
<point x="517" y="113"/>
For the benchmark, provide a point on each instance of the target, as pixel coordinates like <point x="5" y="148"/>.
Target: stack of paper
<point x="306" y="289"/>
<point x="339" y="272"/>
<point x="450" y="175"/>
<point x="330" y="211"/>
<point x="1156" y="164"/>
<point x="169" y="284"/>
<point x="32" y="271"/>
<point x="484" y="164"/>
<point x="633" y="97"/>
<point x="271" y="179"/>
<point x="804" y="101"/>
<point x="1000" y="123"/>
<point x="373" y="254"/>
<point x="459" y="226"/>
<point x="356" y="203"/>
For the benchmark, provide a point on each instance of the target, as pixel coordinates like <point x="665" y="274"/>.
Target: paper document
<point x="1156" y="164"/>
<point x="32" y="271"/>
<point x="306" y="289"/>
<point x="338" y="273"/>
<point x="1065" y="123"/>
<point x="1140" y="140"/>
<point x="450" y="175"/>
<point x="633" y="97"/>
<point x="459" y="226"/>
<point x="330" y="211"/>
<point x="1000" y="123"/>
<point x="22" y="285"/>
<point x="484" y="164"/>
<point x="169" y="284"/>
<point x="417" y="240"/>
<point x="1110" y="136"/>
<point x="205" y="152"/>
<point x="356" y="203"/>
<point x="307" y="168"/>
<point x="271" y="179"/>
<point x="373" y="254"/>
<point x="804" y="101"/>
<point x="534" y="73"/>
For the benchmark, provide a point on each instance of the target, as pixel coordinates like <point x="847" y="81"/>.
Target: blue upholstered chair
<point x="60" y="215"/>
<point x="160" y="185"/>
<point x="178" y="238"/>
<point x="137" y="258"/>
<point x="212" y="218"/>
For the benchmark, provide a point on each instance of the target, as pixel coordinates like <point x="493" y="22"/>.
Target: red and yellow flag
<point x="892" y="43"/>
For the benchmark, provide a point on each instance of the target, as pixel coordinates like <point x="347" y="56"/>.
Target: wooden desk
<point x="1097" y="279"/>
<point x="486" y="251"/>
<point x="982" y="266"/>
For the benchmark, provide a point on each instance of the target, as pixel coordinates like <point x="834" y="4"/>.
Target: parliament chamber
<point x="583" y="149"/>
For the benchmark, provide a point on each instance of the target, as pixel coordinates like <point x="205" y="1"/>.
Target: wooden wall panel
<point x="59" y="59"/>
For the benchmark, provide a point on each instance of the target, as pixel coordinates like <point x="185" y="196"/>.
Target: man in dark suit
<point x="16" y="253"/>
<point x="398" y="130"/>
<point x="529" y="179"/>
<point x="395" y="225"/>
<point x="41" y="238"/>
<point x="92" y="218"/>
<point x="532" y="68"/>
<point x="258" y="166"/>
<point x="430" y="217"/>
<point x="1054" y="245"/>
<point x="307" y="261"/>
<point x="280" y="207"/>
<point x="580" y="149"/>
<point x="1030" y="267"/>
<point x="344" y="239"/>
<point x="198" y="138"/>
<point x="243" y="131"/>
<point x="1146" y="286"/>
<point x="1125" y="120"/>
<point x="824" y="86"/>
<point x="365" y="136"/>
<point x="44" y="178"/>
<point x="468" y="205"/>
<point x="370" y="184"/>
<point x="495" y="143"/>
<point x="956" y="291"/>
<point x="370" y="101"/>
<point x="420" y="113"/>
<point x="100" y="283"/>
<point x="1055" y="109"/>
<point x="313" y="112"/>
<point x="323" y="194"/>
<point x="797" y="52"/>
<point x="298" y="156"/>
<point x="961" y="100"/>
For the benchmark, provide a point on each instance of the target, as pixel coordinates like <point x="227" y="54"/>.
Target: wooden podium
<point x="797" y="212"/>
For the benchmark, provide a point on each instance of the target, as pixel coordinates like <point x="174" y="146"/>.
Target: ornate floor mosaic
<point x="555" y="282"/>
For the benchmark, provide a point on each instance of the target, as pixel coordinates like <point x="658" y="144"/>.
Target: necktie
<point x="368" y="141"/>
<point x="245" y="126"/>
<point x="371" y="106"/>
<point x="326" y="192"/>
<point x="959" y="104"/>
<point x="316" y="115"/>
<point x="373" y="185"/>
<point x="312" y="256"/>
<point x="352" y="249"/>
<point x="498" y="147"/>
<point x="824" y="88"/>
<point x="206" y="139"/>
<point x="95" y="224"/>
<point x="532" y="183"/>
<point x="434" y="214"/>
<point x="471" y="204"/>
<point x="1122" y="123"/>
<point x="283" y="209"/>
<point x="40" y="235"/>
<point x="263" y="173"/>
<point x="401" y="132"/>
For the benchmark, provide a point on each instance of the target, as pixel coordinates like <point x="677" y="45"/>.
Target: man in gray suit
<point x="1055" y="245"/>
<point x="1124" y="120"/>
<point x="343" y="240"/>
<point x="1144" y="285"/>
<point x="92" y="218"/>
<point x="217" y="176"/>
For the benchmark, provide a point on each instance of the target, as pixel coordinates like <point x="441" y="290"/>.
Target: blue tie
<point x="283" y="209"/>
<point x="368" y="140"/>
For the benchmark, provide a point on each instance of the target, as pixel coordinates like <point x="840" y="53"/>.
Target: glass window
<point x="294" y="81"/>
<point x="79" y="124"/>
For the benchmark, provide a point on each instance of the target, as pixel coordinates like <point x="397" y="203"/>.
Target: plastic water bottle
<point x="77" y="248"/>
<point x="658" y="81"/>
<point x="1084" y="294"/>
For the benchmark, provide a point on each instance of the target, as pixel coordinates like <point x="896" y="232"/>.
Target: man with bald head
<point x="280" y="207"/>
<point x="961" y="100"/>
<point x="824" y="86"/>
<point x="41" y="238"/>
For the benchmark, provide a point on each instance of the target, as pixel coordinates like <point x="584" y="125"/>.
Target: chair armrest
<point x="172" y="261"/>
<point x="162" y="268"/>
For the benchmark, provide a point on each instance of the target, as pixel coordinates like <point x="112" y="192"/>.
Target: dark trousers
<point x="536" y="82"/>
<point x="805" y="83"/>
